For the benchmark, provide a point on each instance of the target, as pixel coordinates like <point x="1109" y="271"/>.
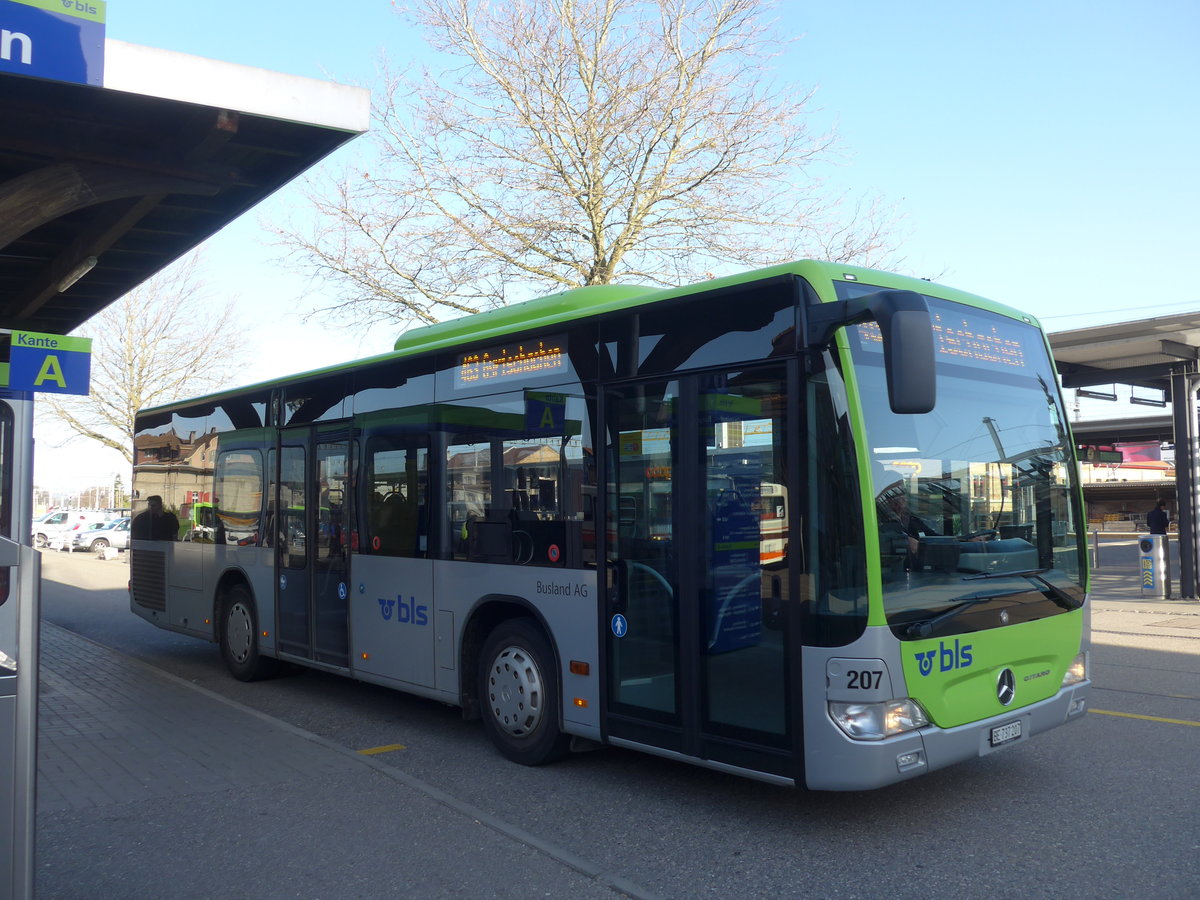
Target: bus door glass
<point x="331" y="551"/>
<point x="698" y="556"/>
<point x="312" y="553"/>
<point x="292" y="546"/>
<point x="744" y="551"/>
<point x="643" y="559"/>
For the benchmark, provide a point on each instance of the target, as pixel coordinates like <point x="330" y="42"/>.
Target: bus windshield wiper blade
<point x="1062" y="597"/>
<point x="979" y="576"/>
<point x="926" y="627"/>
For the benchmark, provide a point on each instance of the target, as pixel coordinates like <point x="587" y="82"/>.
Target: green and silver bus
<point x="813" y="524"/>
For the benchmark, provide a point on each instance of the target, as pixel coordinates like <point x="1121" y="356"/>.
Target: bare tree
<point x="577" y="142"/>
<point x="160" y="342"/>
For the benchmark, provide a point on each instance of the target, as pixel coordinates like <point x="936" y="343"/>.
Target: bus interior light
<point x="1077" y="671"/>
<point x="876" y="721"/>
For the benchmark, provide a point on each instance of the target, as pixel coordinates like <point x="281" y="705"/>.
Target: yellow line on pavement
<point x="1109" y="712"/>
<point x="386" y="748"/>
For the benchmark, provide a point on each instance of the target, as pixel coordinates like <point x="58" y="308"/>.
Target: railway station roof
<point x="1143" y="353"/>
<point x="1128" y="429"/>
<point x="108" y="185"/>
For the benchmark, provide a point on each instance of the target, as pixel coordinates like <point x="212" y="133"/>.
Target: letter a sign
<point x="49" y="363"/>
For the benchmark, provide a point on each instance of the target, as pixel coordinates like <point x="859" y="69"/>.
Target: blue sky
<point x="1042" y="154"/>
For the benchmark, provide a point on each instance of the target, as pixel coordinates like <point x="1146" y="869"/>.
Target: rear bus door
<point x="312" y="500"/>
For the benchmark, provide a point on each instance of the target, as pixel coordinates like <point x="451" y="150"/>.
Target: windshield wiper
<point x="1062" y="597"/>
<point x="979" y="576"/>
<point x="925" y="628"/>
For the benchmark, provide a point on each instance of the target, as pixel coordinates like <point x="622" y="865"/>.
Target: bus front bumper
<point x="834" y="762"/>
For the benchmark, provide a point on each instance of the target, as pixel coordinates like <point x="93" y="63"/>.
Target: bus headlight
<point x="1077" y="671"/>
<point x="876" y="721"/>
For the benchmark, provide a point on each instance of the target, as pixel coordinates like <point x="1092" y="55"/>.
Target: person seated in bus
<point x="397" y="529"/>
<point x="899" y="530"/>
<point x="154" y="523"/>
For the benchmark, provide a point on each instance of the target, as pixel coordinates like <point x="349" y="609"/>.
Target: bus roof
<point x="579" y="303"/>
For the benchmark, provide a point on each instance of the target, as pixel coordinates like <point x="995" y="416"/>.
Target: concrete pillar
<point x="1183" y="411"/>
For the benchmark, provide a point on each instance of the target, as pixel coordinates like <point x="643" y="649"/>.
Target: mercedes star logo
<point x="1006" y="687"/>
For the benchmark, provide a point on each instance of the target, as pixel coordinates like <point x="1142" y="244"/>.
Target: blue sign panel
<point x="49" y="363"/>
<point x="58" y="39"/>
<point x="733" y="614"/>
<point x="545" y="414"/>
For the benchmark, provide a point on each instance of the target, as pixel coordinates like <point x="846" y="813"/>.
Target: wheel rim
<point x="40" y="540"/>
<point x="515" y="691"/>
<point x="100" y="545"/>
<point x="238" y="631"/>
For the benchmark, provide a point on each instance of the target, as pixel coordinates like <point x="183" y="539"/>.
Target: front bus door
<point x="312" y="496"/>
<point x="698" y="531"/>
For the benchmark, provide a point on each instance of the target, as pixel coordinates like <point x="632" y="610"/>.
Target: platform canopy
<point x="102" y="187"/>
<point x="1162" y="353"/>
<point x="1145" y="352"/>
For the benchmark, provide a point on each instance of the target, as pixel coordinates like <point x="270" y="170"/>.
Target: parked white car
<point x="108" y="534"/>
<point x="59" y="528"/>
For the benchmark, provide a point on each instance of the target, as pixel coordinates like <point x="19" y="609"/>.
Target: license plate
<point x="1002" y="734"/>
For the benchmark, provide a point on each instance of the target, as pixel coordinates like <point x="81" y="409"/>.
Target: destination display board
<point x="512" y="362"/>
<point x="971" y="337"/>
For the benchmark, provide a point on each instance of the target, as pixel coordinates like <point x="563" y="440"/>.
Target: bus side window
<point x="397" y="479"/>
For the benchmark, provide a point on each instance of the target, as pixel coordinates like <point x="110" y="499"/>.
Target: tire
<point x="40" y="541"/>
<point x="99" y="544"/>
<point x="239" y="637"/>
<point x="518" y="694"/>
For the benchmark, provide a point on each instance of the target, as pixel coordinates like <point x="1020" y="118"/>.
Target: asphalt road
<point x="1103" y="808"/>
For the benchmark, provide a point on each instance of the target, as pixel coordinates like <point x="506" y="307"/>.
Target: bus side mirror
<point x="904" y="322"/>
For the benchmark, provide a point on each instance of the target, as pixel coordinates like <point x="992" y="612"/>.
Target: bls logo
<point x="405" y="612"/>
<point x="948" y="658"/>
<point x="79" y="7"/>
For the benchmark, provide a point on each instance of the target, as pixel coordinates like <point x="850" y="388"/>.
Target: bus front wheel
<point x="518" y="694"/>
<point x="239" y="637"/>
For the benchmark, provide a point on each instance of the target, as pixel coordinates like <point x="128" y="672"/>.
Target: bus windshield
<point x="976" y="502"/>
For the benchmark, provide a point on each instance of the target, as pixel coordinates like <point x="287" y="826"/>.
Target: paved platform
<point x="151" y="787"/>
<point x="142" y="774"/>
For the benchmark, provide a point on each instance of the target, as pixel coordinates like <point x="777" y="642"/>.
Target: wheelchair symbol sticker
<point x="619" y="625"/>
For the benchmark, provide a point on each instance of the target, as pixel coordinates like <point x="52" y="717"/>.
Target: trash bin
<point x="1154" y="564"/>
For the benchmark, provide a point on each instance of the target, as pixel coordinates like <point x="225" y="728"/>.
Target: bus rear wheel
<point x="239" y="637"/>
<point x="518" y="694"/>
